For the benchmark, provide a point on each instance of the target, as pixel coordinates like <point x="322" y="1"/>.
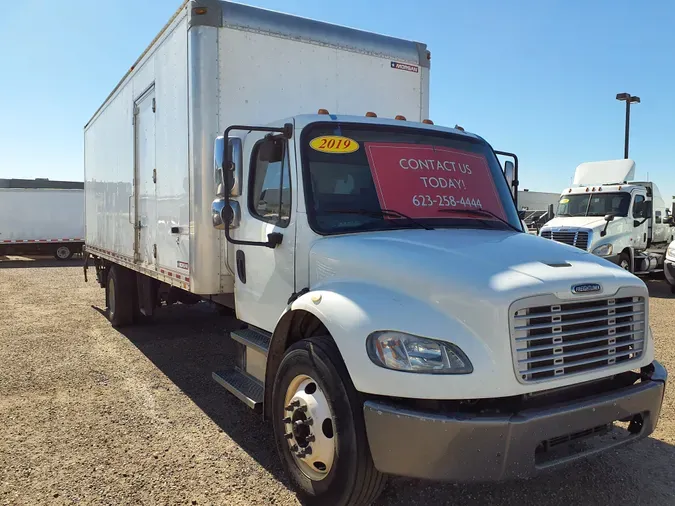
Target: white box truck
<point x="610" y="215"/>
<point x="396" y="318"/>
<point x="36" y="221"/>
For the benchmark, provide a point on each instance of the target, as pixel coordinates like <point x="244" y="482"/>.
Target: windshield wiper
<point x="480" y="212"/>
<point x="378" y="214"/>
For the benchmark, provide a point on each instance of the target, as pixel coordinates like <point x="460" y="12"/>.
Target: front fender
<point x="351" y="311"/>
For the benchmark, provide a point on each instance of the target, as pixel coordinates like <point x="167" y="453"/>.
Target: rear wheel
<point x="119" y="296"/>
<point x="63" y="252"/>
<point x="319" y="427"/>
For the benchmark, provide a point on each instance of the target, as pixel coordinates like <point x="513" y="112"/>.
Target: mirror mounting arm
<point x="275" y="238"/>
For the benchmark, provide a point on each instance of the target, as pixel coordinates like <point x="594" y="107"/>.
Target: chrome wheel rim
<point x="309" y="427"/>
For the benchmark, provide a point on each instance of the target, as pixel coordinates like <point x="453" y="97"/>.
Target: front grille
<point x="578" y="238"/>
<point x="562" y="339"/>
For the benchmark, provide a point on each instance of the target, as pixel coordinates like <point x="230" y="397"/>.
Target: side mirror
<point x="510" y="174"/>
<point x="224" y="215"/>
<point x="608" y="218"/>
<point x="668" y="220"/>
<point x="232" y="174"/>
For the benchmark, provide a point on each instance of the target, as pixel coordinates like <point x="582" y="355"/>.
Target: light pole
<point x="629" y="99"/>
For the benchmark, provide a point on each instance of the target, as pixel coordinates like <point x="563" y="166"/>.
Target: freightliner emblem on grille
<point x="586" y="288"/>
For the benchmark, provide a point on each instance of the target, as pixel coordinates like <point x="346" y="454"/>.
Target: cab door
<point x="641" y="222"/>
<point x="265" y="277"/>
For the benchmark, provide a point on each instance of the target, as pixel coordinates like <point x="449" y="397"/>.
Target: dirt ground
<point x="89" y="415"/>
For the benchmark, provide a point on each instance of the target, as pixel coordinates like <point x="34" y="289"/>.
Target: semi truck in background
<point x="41" y="217"/>
<point x="669" y="267"/>
<point x="396" y="319"/>
<point x="610" y="215"/>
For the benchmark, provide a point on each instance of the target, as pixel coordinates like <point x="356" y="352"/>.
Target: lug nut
<point x="294" y="448"/>
<point x="287" y="419"/>
<point x="292" y="405"/>
<point x="302" y="409"/>
<point x="311" y="438"/>
<point x="288" y="435"/>
<point x="308" y="450"/>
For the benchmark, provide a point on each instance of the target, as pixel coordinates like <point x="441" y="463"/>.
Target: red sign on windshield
<point x="423" y="181"/>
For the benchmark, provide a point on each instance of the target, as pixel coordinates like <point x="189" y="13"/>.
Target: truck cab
<point x="388" y="285"/>
<point x="609" y="215"/>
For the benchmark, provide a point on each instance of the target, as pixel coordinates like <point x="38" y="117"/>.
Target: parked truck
<point x="396" y="319"/>
<point x="610" y="215"/>
<point x="38" y="220"/>
<point x="669" y="267"/>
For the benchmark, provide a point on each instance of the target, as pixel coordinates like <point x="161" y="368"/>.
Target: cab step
<point x="253" y="338"/>
<point x="243" y="386"/>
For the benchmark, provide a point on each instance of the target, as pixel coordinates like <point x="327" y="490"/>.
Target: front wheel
<point x="624" y="261"/>
<point x="319" y="427"/>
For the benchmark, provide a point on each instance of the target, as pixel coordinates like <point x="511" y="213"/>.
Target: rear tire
<point x="349" y="478"/>
<point x="119" y="296"/>
<point x="63" y="252"/>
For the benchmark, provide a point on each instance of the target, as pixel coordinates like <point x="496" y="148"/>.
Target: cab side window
<point x="270" y="186"/>
<point x="640" y="207"/>
<point x="657" y="216"/>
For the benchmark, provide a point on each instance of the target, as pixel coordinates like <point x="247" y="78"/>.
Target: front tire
<point x="326" y="457"/>
<point x="624" y="262"/>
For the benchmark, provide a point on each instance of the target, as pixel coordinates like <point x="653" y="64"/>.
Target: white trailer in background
<point x="609" y="214"/>
<point x="396" y="319"/>
<point x="41" y="221"/>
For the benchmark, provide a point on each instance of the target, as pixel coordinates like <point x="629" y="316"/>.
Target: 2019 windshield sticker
<point x="424" y="181"/>
<point x="334" y="144"/>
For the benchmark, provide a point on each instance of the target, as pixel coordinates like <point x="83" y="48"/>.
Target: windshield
<point x="363" y="178"/>
<point x="594" y="204"/>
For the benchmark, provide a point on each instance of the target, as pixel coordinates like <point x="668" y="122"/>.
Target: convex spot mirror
<point x="224" y="215"/>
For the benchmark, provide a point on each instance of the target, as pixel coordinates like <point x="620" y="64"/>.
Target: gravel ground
<point x="89" y="415"/>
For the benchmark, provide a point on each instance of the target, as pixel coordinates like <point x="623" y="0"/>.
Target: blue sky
<point x="535" y="77"/>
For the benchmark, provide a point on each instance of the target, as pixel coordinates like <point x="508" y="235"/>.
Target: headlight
<point x="670" y="253"/>
<point x="405" y="352"/>
<point x="604" y="250"/>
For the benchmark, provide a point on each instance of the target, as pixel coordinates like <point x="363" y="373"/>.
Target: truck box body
<point x="39" y="219"/>
<point x="149" y="177"/>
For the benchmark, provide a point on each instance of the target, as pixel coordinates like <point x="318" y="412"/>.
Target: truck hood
<point x="461" y="264"/>
<point x="592" y="222"/>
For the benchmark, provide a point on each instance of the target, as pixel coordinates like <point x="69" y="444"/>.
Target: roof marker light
<point x="323" y="111"/>
<point x="400" y="118"/>
<point x="371" y="114"/>
<point x="457" y="127"/>
<point x="427" y="122"/>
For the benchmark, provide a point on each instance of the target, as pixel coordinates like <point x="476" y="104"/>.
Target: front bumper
<point x="474" y="447"/>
